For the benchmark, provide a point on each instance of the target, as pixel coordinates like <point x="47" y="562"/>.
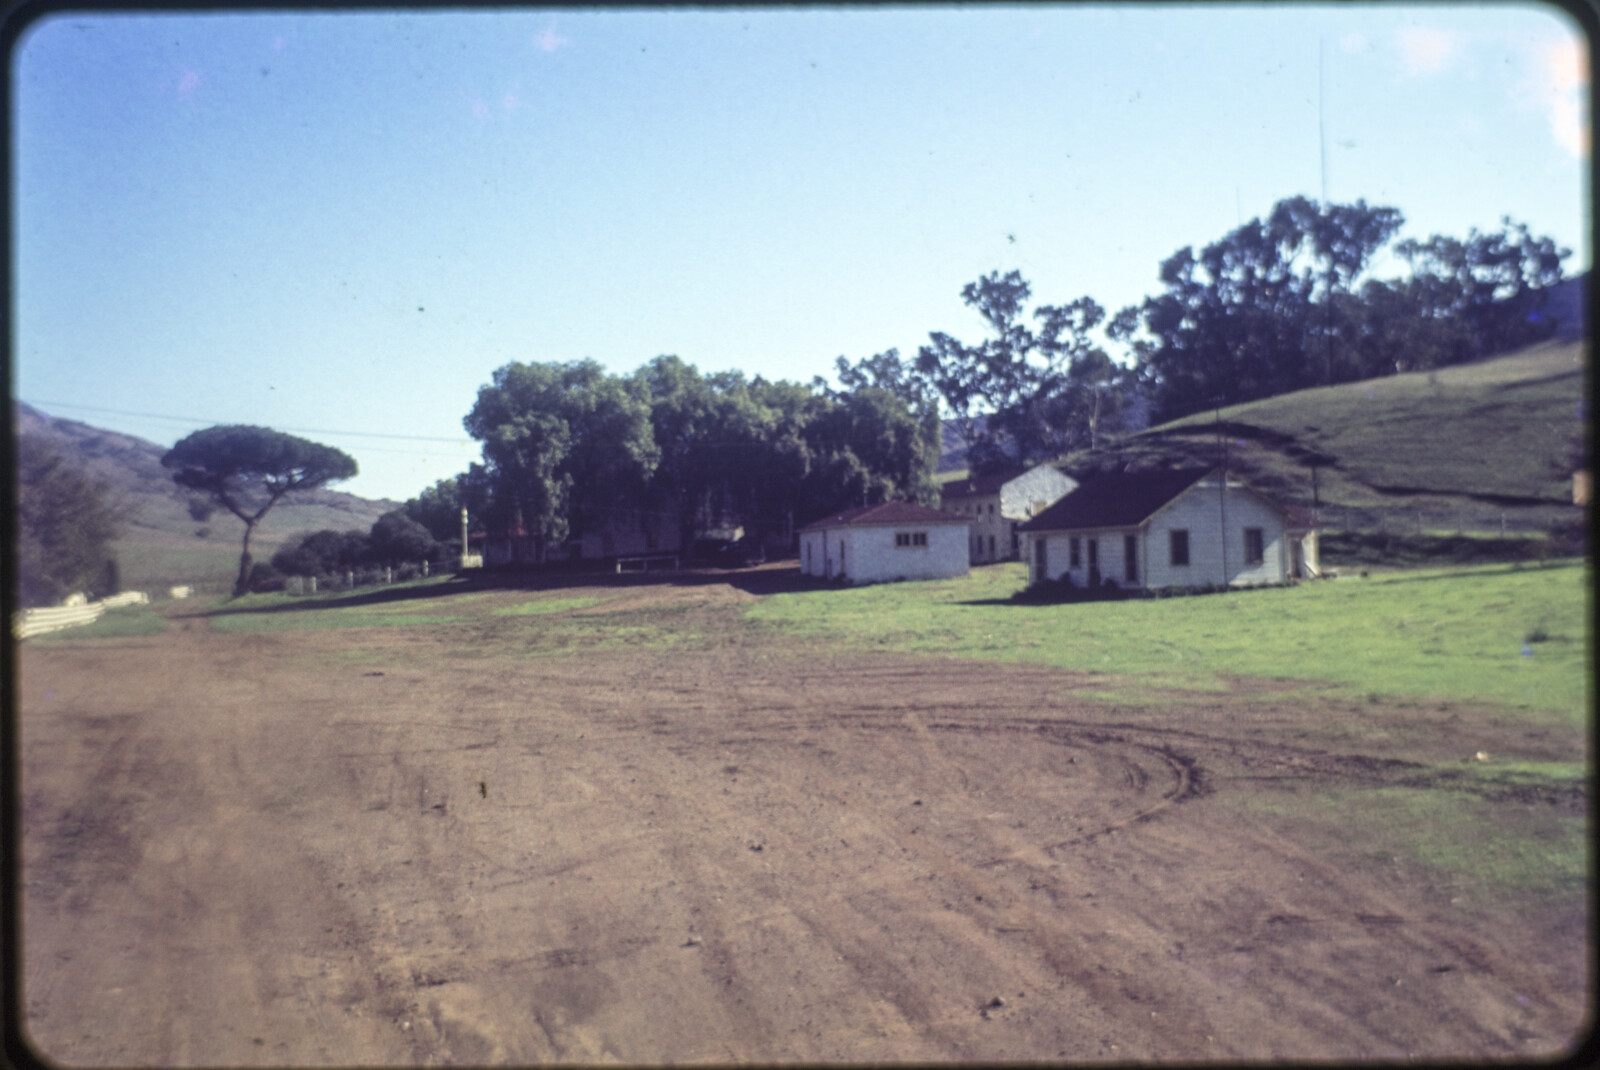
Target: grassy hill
<point x="1456" y="447"/>
<point x="162" y="544"/>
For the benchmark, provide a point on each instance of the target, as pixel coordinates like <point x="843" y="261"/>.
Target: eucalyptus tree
<point x="564" y="445"/>
<point x="1022" y="394"/>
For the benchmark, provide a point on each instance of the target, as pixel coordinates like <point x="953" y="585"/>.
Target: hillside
<point x="1499" y="436"/>
<point x="162" y="544"/>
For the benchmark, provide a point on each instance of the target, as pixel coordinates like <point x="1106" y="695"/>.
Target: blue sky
<point x="341" y="224"/>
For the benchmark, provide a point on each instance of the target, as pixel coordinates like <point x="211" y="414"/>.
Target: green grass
<point x="1477" y="848"/>
<point x="1423" y="443"/>
<point x="1346" y="549"/>
<point x="489" y="625"/>
<point x="378" y="607"/>
<point x="332" y="618"/>
<point x="120" y="622"/>
<point x="1456" y="634"/>
<point x="1502" y="426"/>
<point x="153" y="563"/>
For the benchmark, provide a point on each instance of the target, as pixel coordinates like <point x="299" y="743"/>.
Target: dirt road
<point x="374" y="847"/>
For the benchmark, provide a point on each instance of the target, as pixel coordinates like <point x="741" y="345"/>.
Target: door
<point x="1094" y="562"/>
<point x="1130" y="559"/>
<point x="1041" y="570"/>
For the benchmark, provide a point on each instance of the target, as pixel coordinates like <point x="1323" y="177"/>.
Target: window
<point x="991" y="545"/>
<point x="905" y="540"/>
<point x="1072" y="552"/>
<point x="1254" y="546"/>
<point x="991" y="508"/>
<point x="1130" y="558"/>
<point x="1178" y="541"/>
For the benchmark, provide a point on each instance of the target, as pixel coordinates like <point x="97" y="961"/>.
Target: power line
<point x="460" y="441"/>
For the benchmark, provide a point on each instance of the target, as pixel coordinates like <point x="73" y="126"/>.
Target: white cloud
<point x="1426" y="52"/>
<point x="1557" y="84"/>
<point x="547" y="40"/>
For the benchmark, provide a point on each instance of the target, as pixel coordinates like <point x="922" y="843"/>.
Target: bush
<point x="396" y="538"/>
<point x="322" y="553"/>
<point x="263" y="577"/>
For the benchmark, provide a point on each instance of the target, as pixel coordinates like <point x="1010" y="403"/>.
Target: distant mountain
<point x="162" y="544"/>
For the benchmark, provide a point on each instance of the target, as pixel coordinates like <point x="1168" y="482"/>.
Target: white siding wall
<point x="1046" y="483"/>
<point x="1198" y="511"/>
<point x="987" y="523"/>
<point x="813" y="558"/>
<point x="871" y="556"/>
<point x="1109" y="546"/>
<point x="996" y="516"/>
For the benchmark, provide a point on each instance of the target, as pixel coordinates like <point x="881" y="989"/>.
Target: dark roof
<point x="1115" y="500"/>
<point x="887" y="513"/>
<point x="1300" y="519"/>
<point x="975" y="485"/>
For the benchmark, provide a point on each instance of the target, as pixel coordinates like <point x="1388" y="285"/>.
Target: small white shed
<point x="1188" y="527"/>
<point x="885" y="543"/>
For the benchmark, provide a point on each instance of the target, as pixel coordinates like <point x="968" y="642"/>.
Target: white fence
<point x="31" y="622"/>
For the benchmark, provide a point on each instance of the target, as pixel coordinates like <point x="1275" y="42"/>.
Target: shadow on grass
<point x="1420" y="575"/>
<point x="1465" y="572"/>
<point x="776" y="578"/>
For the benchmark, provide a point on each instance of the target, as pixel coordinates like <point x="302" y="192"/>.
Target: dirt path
<point x="366" y="847"/>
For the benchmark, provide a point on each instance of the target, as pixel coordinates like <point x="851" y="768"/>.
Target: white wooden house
<point x="998" y="503"/>
<point x="1183" y="528"/>
<point x="885" y="543"/>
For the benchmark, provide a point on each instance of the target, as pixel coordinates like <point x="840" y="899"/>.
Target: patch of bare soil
<point x="255" y="850"/>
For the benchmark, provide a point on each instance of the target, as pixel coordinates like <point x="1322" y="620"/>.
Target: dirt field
<point x="389" y="846"/>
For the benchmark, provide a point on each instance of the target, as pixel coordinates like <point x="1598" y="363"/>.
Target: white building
<point x="1180" y="528"/>
<point x="885" y="543"/>
<point x="998" y="503"/>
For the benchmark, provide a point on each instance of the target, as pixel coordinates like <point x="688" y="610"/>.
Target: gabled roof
<point x="976" y="485"/>
<point x="1116" y="499"/>
<point x="887" y="513"/>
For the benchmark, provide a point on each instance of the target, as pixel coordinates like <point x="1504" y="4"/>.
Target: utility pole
<point x="1222" y="494"/>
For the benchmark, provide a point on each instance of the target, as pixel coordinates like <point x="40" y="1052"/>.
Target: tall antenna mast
<point x="1322" y="134"/>
<point x="1327" y="297"/>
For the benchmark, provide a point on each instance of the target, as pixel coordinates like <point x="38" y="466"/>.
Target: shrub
<point x="396" y="538"/>
<point x="263" y="577"/>
<point x="322" y="553"/>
